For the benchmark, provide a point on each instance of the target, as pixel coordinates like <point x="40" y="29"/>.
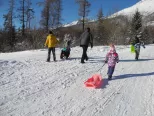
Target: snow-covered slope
<point x="70" y="24"/>
<point x="146" y="7"/>
<point x="75" y="23"/>
<point x="29" y="86"/>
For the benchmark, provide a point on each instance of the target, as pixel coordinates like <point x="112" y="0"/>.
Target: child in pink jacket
<point x="111" y="58"/>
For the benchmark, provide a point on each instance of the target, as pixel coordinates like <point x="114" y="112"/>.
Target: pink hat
<point x="112" y="48"/>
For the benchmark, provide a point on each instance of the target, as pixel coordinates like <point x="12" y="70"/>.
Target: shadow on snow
<point x="133" y="60"/>
<point x="132" y="75"/>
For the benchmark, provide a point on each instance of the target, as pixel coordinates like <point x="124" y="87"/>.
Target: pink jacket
<point x="112" y="57"/>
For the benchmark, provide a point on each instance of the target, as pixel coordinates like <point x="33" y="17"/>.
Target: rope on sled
<point x="99" y="70"/>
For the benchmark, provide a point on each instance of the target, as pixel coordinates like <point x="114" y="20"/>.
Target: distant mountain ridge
<point x="145" y="7"/>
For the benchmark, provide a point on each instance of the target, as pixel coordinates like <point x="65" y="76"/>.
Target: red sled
<point x="94" y="82"/>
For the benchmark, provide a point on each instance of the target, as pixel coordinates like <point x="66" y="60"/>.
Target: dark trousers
<point x="110" y="70"/>
<point x="137" y="52"/>
<point x="84" y="54"/>
<point x="65" y="54"/>
<point x="49" y="53"/>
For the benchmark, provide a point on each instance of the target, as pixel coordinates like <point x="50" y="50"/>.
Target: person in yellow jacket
<point x="51" y="43"/>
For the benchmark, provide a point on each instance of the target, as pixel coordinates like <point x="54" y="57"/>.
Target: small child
<point x="111" y="58"/>
<point x="65" y="52"/>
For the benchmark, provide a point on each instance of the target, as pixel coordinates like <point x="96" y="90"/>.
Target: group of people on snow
<point x="86" y="38"/>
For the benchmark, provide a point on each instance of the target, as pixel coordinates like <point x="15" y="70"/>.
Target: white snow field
<point x="29" y="86"/>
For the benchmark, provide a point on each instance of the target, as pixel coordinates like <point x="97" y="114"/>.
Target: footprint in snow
<point x="73" y="75"/>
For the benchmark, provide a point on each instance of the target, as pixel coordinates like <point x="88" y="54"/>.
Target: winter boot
<point x="54" y="58"/>
<point x="48" y="59"/>
<point x="82" y="61"/>
<point x="87" y="58"/>
<point x="109" y="77"/>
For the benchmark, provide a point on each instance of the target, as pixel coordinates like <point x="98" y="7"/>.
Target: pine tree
<point x="51" y="13"/>
<point x="29" y="14"/>
<point x="22" y="15"/>
<point x="136" y="23"/>
<point x="100" y="27"/>
<point x="58" y="7"/>
<point x="45" y="14"/>
<point x="9" y="28"/>
<point x="99" y="22"/>
<point x="8" y="23"/>
<point x="84" y="6"/>
<point x="55" y="13"/>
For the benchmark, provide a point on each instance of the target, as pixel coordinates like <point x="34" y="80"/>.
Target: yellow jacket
<point x="51" y="41"/>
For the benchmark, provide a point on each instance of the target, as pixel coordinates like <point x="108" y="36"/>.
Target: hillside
<point x="145" y="7"/>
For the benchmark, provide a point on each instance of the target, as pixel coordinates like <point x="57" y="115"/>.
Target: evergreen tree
<point x="23" y="14"/>
<point x="45" y="14"/>
<point x="100" y="26"/>
<point x="58" y="8"/>
<point x="51" y="13"/>
<point x="136" y="23"/>
<point x="9" y="29"/>
<point x="29" y="14"/>
<point x="55" y="13"/>
<point x="84" y="6"/>
<point x="8" y="18"/>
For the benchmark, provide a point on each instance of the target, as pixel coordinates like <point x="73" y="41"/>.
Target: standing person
<point x="85" y="39"/>
<point x="51" y="43"/>
<point x="137" y="43"/>
<point x="111" y="58"/>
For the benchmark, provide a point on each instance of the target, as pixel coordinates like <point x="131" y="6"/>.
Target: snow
<point x="151" y="23"/>
<point x="144" y="6"/>
<point x="76" y="22"/>
<point x="71" y="24"/>
<point x="29" y="86"/>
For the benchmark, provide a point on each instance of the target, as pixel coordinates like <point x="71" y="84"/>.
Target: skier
<point x="85" y="39"/>
<point x="51" y="43"/>
<point x="111" y="58"/>
<point x="137" y="43"/>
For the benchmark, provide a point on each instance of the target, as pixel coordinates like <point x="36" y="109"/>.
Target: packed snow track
<point x="30" y="86"/>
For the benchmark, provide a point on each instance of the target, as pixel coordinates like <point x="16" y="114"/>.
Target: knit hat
<point x="112" y="48"/>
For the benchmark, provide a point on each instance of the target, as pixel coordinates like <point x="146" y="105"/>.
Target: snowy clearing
<point x="29" y="86"/>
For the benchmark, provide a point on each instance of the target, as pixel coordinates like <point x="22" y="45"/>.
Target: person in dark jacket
<point x="137" y="43"/>
<point x="85" y="39"/>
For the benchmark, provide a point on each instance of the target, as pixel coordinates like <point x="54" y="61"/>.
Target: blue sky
<point x="70" y="9"/>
